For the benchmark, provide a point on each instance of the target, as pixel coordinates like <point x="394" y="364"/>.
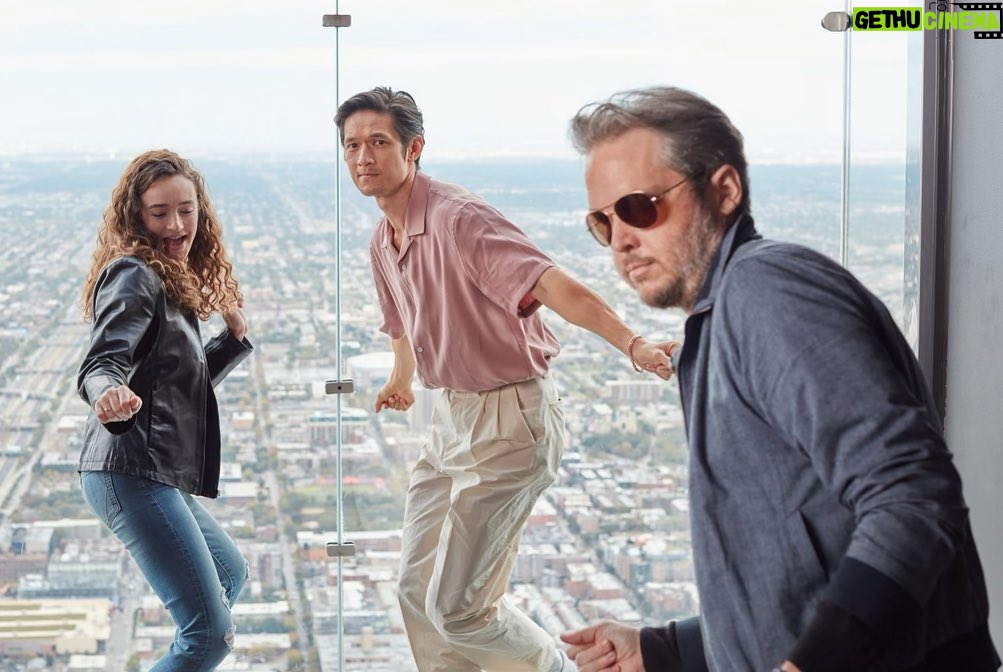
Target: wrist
<point x="399" y="381"/>
<point x="630" y="351"/>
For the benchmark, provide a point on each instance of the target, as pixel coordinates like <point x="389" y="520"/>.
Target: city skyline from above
<point x="610" y="540"/>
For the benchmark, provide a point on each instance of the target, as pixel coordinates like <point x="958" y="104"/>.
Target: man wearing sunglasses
<point x="459" y="286"/>
<point x="829" y="528"/>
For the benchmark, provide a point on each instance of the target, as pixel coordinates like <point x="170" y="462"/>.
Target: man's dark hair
<point x="699" y="137"/>
<point x="399" y="105"/>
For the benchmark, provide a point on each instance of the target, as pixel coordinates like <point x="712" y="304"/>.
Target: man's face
<point x="667" y="262"/>
<point x="375" y="156"/>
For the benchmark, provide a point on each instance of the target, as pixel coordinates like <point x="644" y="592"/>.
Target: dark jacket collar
<point x="741" y="231"/>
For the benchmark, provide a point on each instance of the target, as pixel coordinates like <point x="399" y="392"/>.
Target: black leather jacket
<point x="140" y="339"/>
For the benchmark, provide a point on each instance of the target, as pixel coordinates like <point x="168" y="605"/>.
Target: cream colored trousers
<point x="489" y="457"/>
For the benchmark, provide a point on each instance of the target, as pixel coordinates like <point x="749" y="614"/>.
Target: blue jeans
<point x="190" y="562"/>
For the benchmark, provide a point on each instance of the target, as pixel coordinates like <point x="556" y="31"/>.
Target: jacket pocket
<point x="807" y="569"/>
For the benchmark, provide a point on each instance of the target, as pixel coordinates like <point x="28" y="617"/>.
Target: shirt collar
<point x="414" y="223"/>
<point x="414" y="220"/>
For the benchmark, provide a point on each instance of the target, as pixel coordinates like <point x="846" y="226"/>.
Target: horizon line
<point x="753" y="158"/>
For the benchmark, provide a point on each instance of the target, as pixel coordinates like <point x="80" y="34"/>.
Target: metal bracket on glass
<point x="344" y="549"/>
<point x="337" y="20"/>
<point x="836" y="22"/>
<point x="339" y="387"/>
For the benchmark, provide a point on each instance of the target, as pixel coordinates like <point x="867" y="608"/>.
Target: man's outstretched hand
<point x="607" y="646"/>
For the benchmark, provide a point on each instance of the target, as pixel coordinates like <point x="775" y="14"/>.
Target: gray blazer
<point x="818" y="466"/>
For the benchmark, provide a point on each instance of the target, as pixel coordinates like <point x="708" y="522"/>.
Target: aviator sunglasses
<point x="637" y="209"/>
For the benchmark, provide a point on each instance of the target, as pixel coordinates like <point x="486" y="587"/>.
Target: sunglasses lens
<point x="636" y="210"/>
<point x="599" y="226"/>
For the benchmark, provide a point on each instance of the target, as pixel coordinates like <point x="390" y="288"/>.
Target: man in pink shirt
<point x="459" y="286"/>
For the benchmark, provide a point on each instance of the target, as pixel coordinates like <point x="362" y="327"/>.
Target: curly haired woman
<point x="153" y="441"/>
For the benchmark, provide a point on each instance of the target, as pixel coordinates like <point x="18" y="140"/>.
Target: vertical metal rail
<point x="935" y="211"/>
<point x="844" y="191"/>
<point x="841" y="22"/>
<point x="340" y="548"/>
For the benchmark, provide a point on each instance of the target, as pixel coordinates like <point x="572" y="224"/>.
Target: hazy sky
<point x="206" y="76"/>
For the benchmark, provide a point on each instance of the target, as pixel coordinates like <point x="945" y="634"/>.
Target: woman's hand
<point x="117" y="404"/>
<point x="235" y="320"/>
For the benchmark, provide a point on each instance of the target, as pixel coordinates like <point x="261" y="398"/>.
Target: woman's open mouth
<point x="176" y="247"/>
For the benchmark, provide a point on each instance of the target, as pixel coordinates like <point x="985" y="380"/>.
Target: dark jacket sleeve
<point x="125" y="308"/>
<point x="223" y="353"/>
<point x="676" y="647"/>
<point x="834" y="641"/>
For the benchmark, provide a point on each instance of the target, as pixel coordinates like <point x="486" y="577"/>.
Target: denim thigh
<point x="188" y="559"/>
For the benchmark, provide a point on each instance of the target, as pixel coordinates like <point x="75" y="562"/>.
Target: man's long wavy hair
<point x="204" y="283"/>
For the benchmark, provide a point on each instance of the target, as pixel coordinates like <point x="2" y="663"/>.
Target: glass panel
<point x="248" y="91"/>
<point x="497" y="86"/>
<point x="883" y="222"/>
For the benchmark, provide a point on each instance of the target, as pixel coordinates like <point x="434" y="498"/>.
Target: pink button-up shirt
<point x="458" y="289"/>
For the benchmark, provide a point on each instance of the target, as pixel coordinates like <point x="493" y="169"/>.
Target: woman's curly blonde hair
<point x="204" y="283"/>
